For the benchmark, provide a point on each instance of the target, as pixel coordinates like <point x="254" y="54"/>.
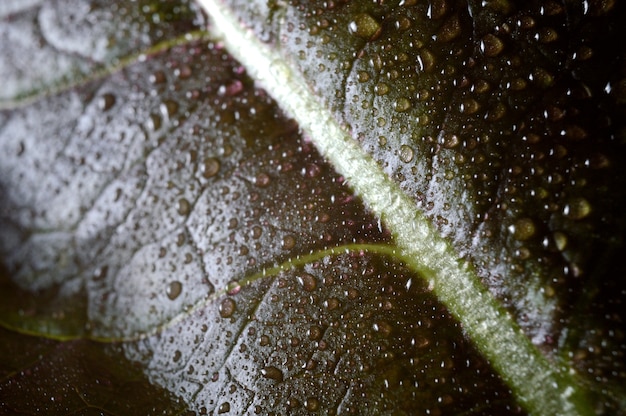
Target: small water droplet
<point x="272" y="373"/>
<point x="227" y="308"/>
<point x="365" y="26"/>
<point x="523" y="229"/>
<point x="315" y="333"/>
<point x="224" y="408"/>
<point x="184" y="207"/>
<point x="288" y="242"/>
<point x="308" y="282"/>
<point x="491" y="45"/>
<point x="406" y="153"/>
<point x="106" y="101"/>
<point x="168" y="108"/>
<point x="577" y="208"/>
<point x="381" y="88"/>
<point x="177" y="356"/>
<point x="312" y="404"/>
<point x="233" y="288"/>
<point x="262" y="180"/>
<point x="560" y="240"/>
<point x="210" y="167"/>
<point x="363" y="76"/>
<point x="174" y="289"/>
<point x="402" y="104"/>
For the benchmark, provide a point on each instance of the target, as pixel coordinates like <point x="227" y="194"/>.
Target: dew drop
<point x="227" y="308"/>
<point x="365" y="26"/>
<point x="491" y="45"/>
<point x="523" y="229"/>
<point x="560" y="240"/>
<point x="106" y="101"/>
<point x="577" y="208"/>
<point x="210" y="167"/>
<point x="272" y="373"/>
<point x="312" y="404"/>
<point x="381" y="88"/>
<point x="224" y="408"/>
<point x="168" y="108"/>
<point x="315" y="333"/>
<point x="233" y="288"/>
<point x="406" y="153"/>
<point x="262" y="180"/>
<point x="307" y="281"/>
<point x="363" y="76"/>
<point x="174" y="289"/>
<point x="288" y="242"/>
<point x="184" y="207"/>
<point x="402" y="104"/>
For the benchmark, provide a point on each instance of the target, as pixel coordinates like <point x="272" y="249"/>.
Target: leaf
<point x="161" y="200"/>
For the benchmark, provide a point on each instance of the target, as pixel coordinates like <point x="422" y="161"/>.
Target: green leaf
<point x="456" y="247"/>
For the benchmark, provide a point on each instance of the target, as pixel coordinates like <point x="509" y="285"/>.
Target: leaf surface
<point x="160" y="199"/>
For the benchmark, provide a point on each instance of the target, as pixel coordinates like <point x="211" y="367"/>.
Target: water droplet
<point x="491" y="45"/>
<point x="577" y="208"/>
<point x="365" y="26"/>
<point x="262" y="180"/>
<point x="450" y="30"/>
<point x="363" y="76"/>
<point x="406" y="153"/>
<point x="308" y="282"/>
<point x="106" y="101"/>
<point x="402" y="104"/>
<point x="168" y="108"/>
<point x="312" y="404"/>
<point x="177" y="356"/>
<point x="227" y="308"/>
<point x="523" y="229"/>
<point x="210" y="167"/>
<point x="560" y="240"/>
<point x="233" y="288"/>
<point x="224" y="408"/>
<point x="381" y="88"/>
<point x="272" y="373"/>
<point x="174" y="289"/>
<point x="315" y="333"/>
<point x="288" y="242"/>
<point x="184" y="207"/>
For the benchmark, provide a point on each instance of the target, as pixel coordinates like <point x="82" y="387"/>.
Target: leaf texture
<point x="155" y="198"/>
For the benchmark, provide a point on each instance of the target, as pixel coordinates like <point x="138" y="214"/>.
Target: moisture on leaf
<point x="166" y="226"/>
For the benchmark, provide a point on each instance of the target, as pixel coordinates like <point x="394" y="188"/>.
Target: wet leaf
<point x="428" y="222"/>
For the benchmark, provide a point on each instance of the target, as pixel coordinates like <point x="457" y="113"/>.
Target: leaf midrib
<point x="540" y="387"/>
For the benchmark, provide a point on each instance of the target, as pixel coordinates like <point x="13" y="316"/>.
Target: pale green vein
<point x="538" y="385"/>
<point x="58" y="333"/>
<point x="73" y="80"/>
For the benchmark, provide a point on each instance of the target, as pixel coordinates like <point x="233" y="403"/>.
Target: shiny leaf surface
<point x="159" y="208"/>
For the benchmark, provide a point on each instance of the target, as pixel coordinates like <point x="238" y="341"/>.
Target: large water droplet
<point x="577" y="208"/>
<point x="365" y="26"/>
